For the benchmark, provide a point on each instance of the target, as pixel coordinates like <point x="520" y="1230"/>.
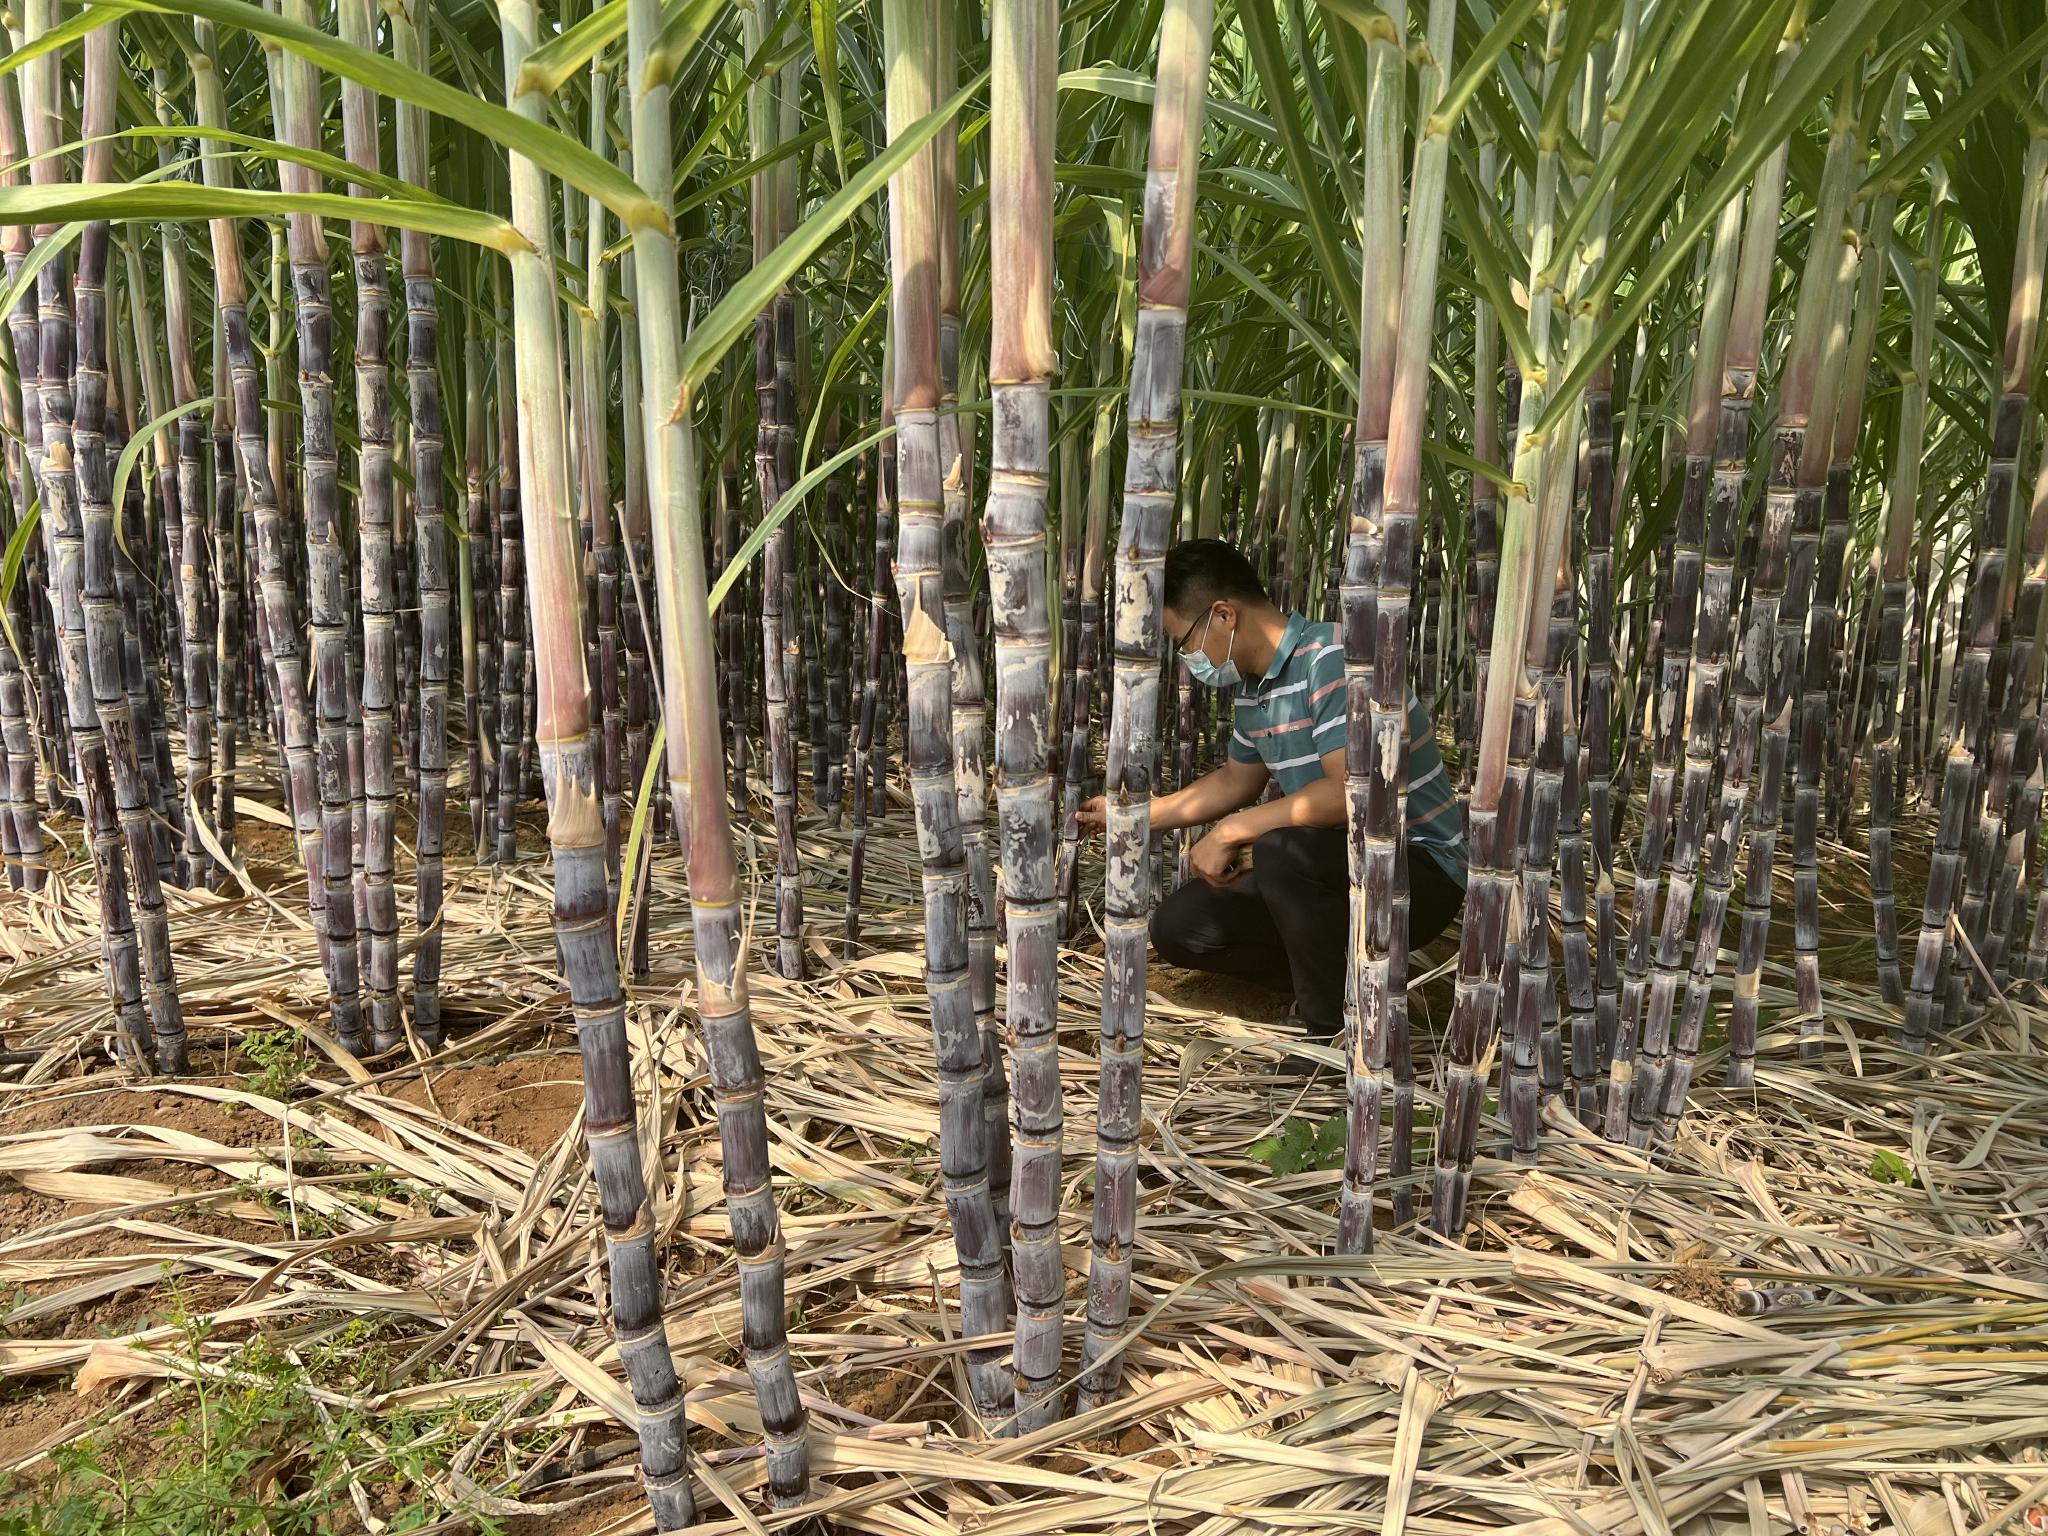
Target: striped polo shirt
<point x="1294" y="714"/>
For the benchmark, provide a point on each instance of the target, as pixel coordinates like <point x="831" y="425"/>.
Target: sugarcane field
<point x="1023" y="767"/>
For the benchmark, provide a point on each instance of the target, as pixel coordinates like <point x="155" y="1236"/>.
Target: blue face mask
<point x="1214" y="674"/>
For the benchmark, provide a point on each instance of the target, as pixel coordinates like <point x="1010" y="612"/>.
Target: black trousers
<point x="1286" y="922"/>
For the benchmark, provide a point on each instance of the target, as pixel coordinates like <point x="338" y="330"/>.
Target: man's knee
<point x="1287" y="850"/>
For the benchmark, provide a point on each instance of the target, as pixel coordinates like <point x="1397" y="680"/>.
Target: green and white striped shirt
<point x="1294" y="714"/>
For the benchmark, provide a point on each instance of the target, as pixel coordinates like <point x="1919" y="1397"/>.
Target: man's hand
<point x="1093" y="816"/>
<point x="1215" y="857"/>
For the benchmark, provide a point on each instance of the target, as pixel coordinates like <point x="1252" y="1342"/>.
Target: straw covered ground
<point x="377" y="1287"/>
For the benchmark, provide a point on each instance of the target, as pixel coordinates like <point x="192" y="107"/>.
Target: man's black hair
<point x="1205" y="571"/>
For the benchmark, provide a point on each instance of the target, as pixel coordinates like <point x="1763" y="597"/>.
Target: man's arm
<point x="1226" y="788"/>
<point x="1320" y="804"/>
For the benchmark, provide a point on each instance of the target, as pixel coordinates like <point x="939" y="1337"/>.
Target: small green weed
<point x="279" y="1056"/>
<point x="251" y="1455"/>
<point x="1301" y="1146"/>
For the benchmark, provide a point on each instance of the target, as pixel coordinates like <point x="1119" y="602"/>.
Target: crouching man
<point x="1284" y="921"/>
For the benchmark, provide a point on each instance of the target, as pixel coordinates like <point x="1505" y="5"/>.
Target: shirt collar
<point x="1297" y="627"/>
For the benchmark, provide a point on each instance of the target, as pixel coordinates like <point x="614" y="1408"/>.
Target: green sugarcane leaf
<point x="1262" y="32"/>
<point x="554" y="62"/>
<point x="132" y="450"/>
<point x="59" y="37"/>
<point x="121" y="201"/>
<point x="47" y="250"/>
<point x="333" y="167"/>
<point x="684" y="23"/>
<point x="1324" y="347"/>
<point x="732" y="315"/>
<point x="636" y="836"/>
<point x="1937" y="135"/>
<point x="1832" y="43"/>
<point x="1364" y="18"/>
<point x="1128" y="85"/>
<point x="561" y="155"/>
<point x="840" y="356"/>
<point x="791" y="500"/>
<point x="825" y="39"/>
<point x="17" y="552"/>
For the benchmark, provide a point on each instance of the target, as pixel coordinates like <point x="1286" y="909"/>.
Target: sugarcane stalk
<point x="1972" y="786"/>
<point x="1025" y="47"/>
<point x="423" y="391"/>
<point x="1695" y="663"/>
<point x="584" y="927"/>
<point x="964" y="634"/>
<point x="2002" y="770"/>
<point x="78" y="408"/>
<point x="1736" y="750"/>
<point x="1483" y="569"/>
<point x="56" y="478"/>
<point x="18" y="660"/>
<point x="376" y="573"/>
<point x="1080" y="754"/>
<point x="295" y="107"/>
<point x="1373" y="820"/>
<point x="696" y="759"/>
<point x="1784" y="571"/>
<point x="871" y="731"/>
<point x="1530" y="549"/>
<point x="1151" y="481"/>
<point x="1818" y="699"/>
<point x="914" y="241"/>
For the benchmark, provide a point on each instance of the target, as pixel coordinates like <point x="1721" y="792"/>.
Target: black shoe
<point x="1301" y="1064"/>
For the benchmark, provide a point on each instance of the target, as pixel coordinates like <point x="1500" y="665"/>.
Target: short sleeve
<point x="1326" y="697"/>
<point x="1240" y="749"/>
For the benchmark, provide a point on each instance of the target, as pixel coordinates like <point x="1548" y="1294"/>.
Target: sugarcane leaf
<point x="735" y="312"/>
<point x="1324" y="347"/>
<point x="1833" y="41"/>
<point x="1965" y="111"/>
<point x="792" y="498"/>
<point x="1262" y="33"/>
<point x="561" y="155"/>
<point x="333" y="167"/>
<point x="550" y="65"/>
<point x="1364" y="18"/>
<point x="825" y="39"/>
<point x="840" y="355"/>
<point x="636" y="835"/>
<point x="16" y="554"/>
<point x="132" y="449"/>
<point x="59" y="37"/>
<point x="1128" y="85"/>
<point x="47" y="250"/>
<point x="687" y="22"/>
<point x="120" y="201"/>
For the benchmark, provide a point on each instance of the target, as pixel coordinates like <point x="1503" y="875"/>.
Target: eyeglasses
<point x="1182" y="646"/>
